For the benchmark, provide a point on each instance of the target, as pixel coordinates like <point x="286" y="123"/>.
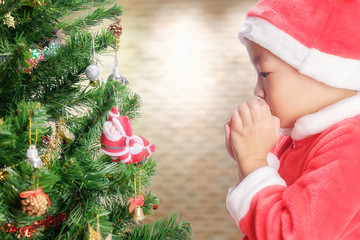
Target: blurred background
<point x="184" y="60"/>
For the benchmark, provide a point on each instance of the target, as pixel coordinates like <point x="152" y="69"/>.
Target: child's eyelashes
<point x="264" y="74"/>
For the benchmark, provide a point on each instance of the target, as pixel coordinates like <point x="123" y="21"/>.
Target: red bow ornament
<point x="134" y="202"/>
<point x="34" y="193"/>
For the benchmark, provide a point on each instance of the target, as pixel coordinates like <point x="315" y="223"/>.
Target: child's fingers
<point x="259" y="110"/>
<point x="244" y="114"/>
<point x="255" y="110"/>
<point x="228" y="140"/>
<point x="229" y="120"/>
<point x="236" y="121"/>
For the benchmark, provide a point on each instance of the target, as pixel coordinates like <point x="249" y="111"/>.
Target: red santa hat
<point x="321" y="39"/>
<point x="114" y="113"/>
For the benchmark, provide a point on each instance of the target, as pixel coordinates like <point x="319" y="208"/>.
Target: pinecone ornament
<point x="35" y="203"/>
<point x="116" y="28"/>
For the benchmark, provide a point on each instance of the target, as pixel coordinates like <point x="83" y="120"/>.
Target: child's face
<point x="289" y="94"/>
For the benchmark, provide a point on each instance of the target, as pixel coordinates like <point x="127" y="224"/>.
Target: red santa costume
<point x="310" y="190"/>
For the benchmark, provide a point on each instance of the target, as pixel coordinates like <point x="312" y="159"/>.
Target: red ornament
<point x="135" y="202"/>
<point x="118" y="141"/>
<point x="45" y="139"/>
<point x="34" y="193"/>
<point x="28" y="231"/>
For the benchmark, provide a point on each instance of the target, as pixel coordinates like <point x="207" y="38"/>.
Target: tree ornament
<point x="35" y="53"/>
<point x="3" y="174"/>
<point x="63" y="133"/>
<point x="93" y="72"/>
<point x="49" y="152"/>
<point x="45" y="139"/>
<point x="118" y="141"/>
<point x="92" y="233"/>
<point x="52" y="49"/>
<point x="136" y="203"/>
<point x="138" y="216"/>
<point x="115" y="73"/>
<point x="35" y="2"/>
<point x="116" y="28"/>
<point x="156" y="206"/>
<point x="35" y="202"/>
<point x="33" y="156"/>
<point x="60" y="134"/>
<point x="96" y="235"/>
<point x="33" y="61"/>
<point x="32" y="153"/>
<point x="28" y="231"/>
<point x="9" y="20"/>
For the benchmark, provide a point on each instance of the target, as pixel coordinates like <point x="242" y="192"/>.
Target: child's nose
<point x="259" y="90"/>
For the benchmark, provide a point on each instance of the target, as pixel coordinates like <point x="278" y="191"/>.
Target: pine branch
<point x="15" y="131"/>
<point x="93" y="18"/>
<point x="167" y="228"/>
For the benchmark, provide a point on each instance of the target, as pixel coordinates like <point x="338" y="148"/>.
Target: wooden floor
<point x="184" y="59"/>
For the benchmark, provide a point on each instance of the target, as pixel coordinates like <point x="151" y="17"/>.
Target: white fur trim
<point x="108" y="134"/>
<point x="114" y="115"/>
<point x="138" y="139"/>
<point x="148" y="149"/>
<point x="118" y="126"/>
<point x="332" y="70"/>
<point x="239" y="198"/>
<point x="323" y="119"/>
<point x="127" y="159"/>
<point x="273" y="161"/>
<point x="116" y="154"/>
<point x="285" y="131"/>
<point x="138" y="145"/>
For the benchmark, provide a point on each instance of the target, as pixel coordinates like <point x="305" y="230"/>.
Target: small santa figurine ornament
<point x="118" y="141"/>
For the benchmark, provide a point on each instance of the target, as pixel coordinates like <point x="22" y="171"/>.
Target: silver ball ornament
<point x="116" y="76"/>
<point x="92" y="71"/>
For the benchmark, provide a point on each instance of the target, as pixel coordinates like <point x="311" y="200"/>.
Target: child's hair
<point x="321" y="39"/>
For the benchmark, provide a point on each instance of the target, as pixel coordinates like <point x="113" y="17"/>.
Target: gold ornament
<point x="92" y="234"/>
<point x="62" y="132"/>
<point x="97" y="235"/>
<point x="37" y="3"/>
<point x="9" y="20"/>
<point x="94" y="83"/>
<point x="138" y="215"/>
<point x="3" y="175"/>
<point x="34" y="205"/>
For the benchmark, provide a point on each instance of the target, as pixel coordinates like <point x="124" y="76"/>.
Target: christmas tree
<point x="70" y="167"/>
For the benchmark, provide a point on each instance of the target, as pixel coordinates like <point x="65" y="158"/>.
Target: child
<point x="307" y="57"/>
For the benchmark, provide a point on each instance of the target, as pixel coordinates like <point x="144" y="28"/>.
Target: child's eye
<point x="264" y="74"/>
